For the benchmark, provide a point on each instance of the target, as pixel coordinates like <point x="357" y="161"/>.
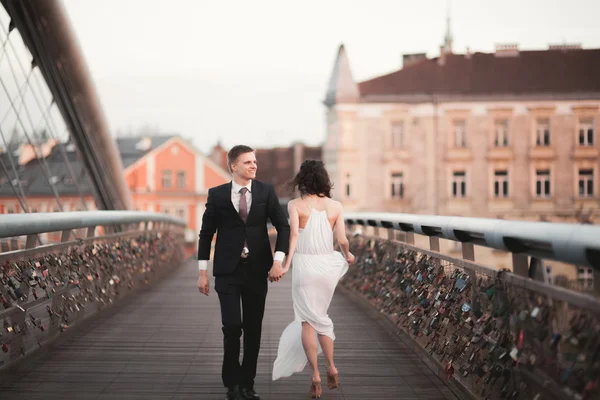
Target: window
<point x="181" y="179"/>
<point x="181" y="213"/>
<point x="459" y="184"/>
<point x="586" y="133"/>
<point x="397" y="134"/>
<point x="348" y="185"/>
<point x="585" y="276"/>
<point x="10" y="210"/>
<point x="460" y="134"/>
<point x="501" y="183"/>
<point x="586" y="183"/>
<point x="501" y="133"/>
<point x="542" y="183"/>
<point x="397" y="183"/>
<point x="542" y="136"/>
<point x="166" y="178"/>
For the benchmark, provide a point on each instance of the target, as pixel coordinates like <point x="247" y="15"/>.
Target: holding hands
<point x="277" y="271"/>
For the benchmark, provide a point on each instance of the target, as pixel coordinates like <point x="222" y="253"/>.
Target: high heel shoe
<point x="315" y="389"/>
<point x="332" y="380"/>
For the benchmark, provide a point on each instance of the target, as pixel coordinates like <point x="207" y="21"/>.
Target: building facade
<point x="512" y="134"/>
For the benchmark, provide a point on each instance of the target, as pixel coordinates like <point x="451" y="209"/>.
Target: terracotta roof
<point x="528" y="72"/>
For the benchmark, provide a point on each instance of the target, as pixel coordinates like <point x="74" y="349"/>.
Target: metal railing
<point x="569" y="243"/>
<point x="498" y="334"/>
<point x="98" y="259"/>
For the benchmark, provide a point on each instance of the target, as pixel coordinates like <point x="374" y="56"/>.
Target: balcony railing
<point x="97" y="260"/>
<point x="497" y="334"/>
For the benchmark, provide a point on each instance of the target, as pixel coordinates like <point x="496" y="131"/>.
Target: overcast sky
<point x="255" y="72"/>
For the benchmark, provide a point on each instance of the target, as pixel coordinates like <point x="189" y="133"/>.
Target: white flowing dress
<point x="316" y="271"/>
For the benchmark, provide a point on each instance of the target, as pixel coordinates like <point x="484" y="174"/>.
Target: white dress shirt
<point x="235" y="200"/>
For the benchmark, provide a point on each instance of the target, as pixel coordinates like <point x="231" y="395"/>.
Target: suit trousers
<point x="242" y="295"/>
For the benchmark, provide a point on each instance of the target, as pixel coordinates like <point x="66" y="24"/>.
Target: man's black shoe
<point x="248" y="394"/>
<point x="232" y="394"/>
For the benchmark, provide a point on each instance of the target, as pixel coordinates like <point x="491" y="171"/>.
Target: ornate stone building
<point x="510" y="134"/>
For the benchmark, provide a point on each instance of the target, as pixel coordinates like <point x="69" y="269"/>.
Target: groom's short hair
<point x="235" y="152"/>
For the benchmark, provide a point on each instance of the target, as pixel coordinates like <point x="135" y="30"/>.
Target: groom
<point x="238" y="211"/>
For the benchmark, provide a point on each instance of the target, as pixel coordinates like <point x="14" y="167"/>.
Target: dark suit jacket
<point x="221" y="217"/>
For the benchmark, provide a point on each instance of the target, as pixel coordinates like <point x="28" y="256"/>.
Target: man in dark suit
<point x="238" y="211"/>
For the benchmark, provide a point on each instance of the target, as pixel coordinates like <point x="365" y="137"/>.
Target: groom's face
<point x="245" y="166"/>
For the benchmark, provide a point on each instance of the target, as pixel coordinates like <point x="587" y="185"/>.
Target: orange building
<point x="164" y="173"/>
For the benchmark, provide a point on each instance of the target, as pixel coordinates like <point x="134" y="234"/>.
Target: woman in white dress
<point x="314" y="221"/>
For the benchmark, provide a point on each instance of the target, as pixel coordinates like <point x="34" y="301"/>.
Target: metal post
<point x="391" y="234"/>
<point x="65" y="235"/>
<point x="31" y="241"/>
<point x="468" y="251"/>
<point x="91" y="231"/>
<point x="520" y="266"/>
<point x="434" y="243"/>
<point x="537" y="270"/>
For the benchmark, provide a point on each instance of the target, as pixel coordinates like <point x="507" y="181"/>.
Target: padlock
<point x="8" y="327"/>
<point x="5" y="302"/>
<point x="449" y="369"/>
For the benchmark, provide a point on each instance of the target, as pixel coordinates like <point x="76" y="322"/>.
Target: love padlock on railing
<point x="449" y="369"/>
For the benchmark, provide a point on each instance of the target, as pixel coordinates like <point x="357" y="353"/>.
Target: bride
<point x="314" y="220"/>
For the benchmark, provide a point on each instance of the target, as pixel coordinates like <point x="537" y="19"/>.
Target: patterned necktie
<point x="244" y="209"/>
<point x="243" y="204"/>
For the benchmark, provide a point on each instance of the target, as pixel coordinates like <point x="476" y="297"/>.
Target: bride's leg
<point x="311" y="348"/>
<point x="332" y="372"/>
<point x="327" y="346"/>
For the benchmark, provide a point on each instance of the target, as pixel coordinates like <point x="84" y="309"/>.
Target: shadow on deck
<point x="167" y="344"/>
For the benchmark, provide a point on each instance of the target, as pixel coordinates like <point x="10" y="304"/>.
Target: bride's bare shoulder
<point x="292" y="203"/>
<point x="335" y="205"/>
<point x="334" y="202"/>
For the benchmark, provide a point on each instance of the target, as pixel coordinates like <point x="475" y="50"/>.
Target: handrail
<point x="12" y="225"/>
<point x="570" y="243"/>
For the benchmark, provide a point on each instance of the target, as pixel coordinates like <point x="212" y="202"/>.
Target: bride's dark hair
<point x="312" y="179"/>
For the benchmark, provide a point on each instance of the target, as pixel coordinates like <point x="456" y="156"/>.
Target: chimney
<point x="219" y="155"/>
<point x="410" y="59"/>
<point x="145" y="144"/>
<point x="442" y="57"/>
<point x="468" y="54"/>
<point x="507" y="50"/>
